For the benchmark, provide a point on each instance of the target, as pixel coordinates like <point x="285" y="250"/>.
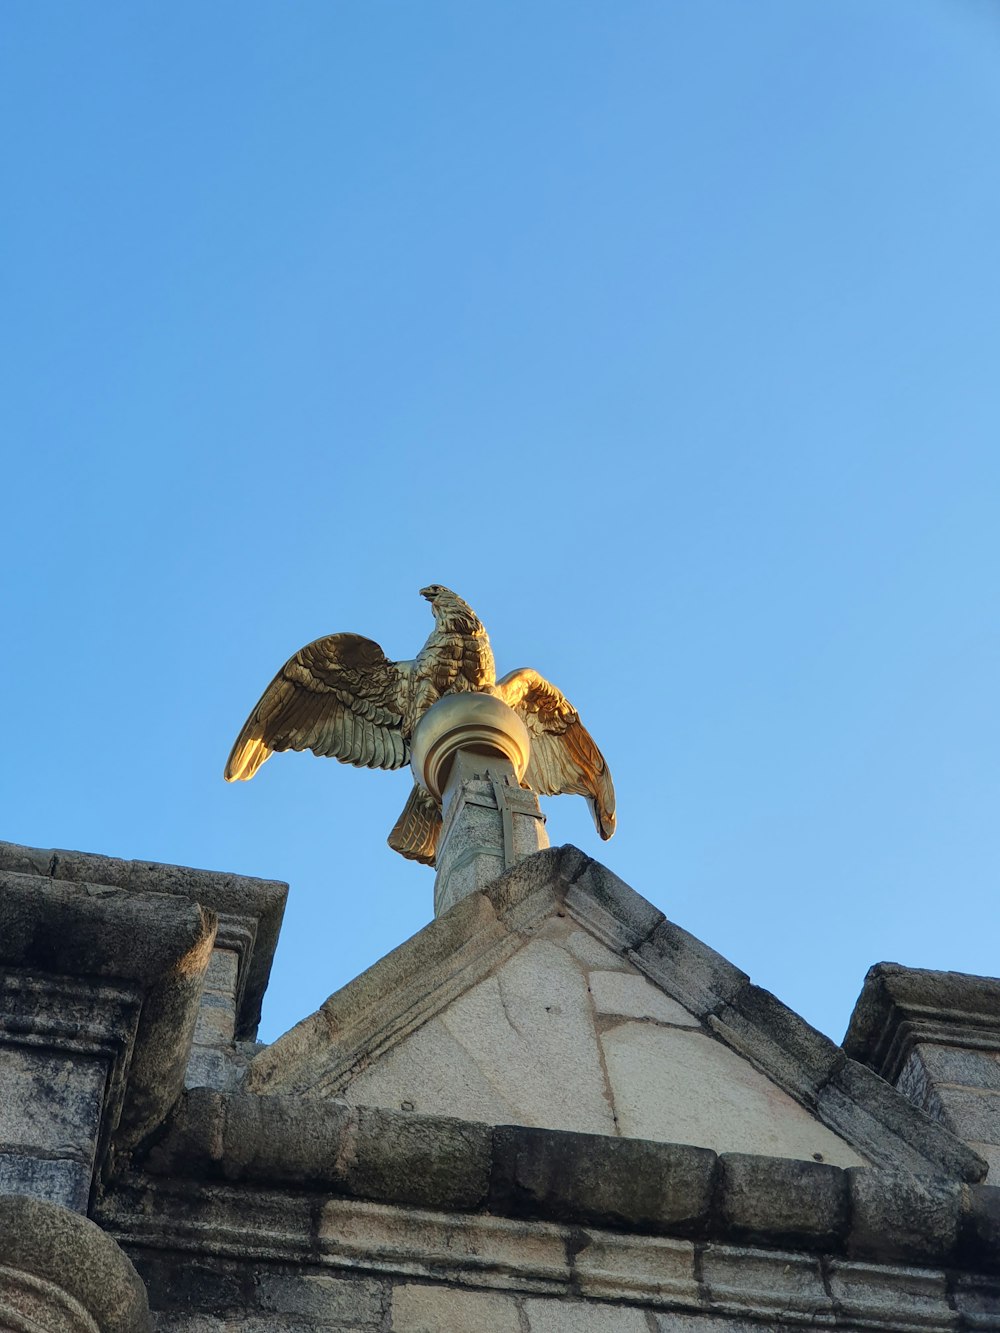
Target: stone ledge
<point x="155" y="946"/>
<point x="232" y="1251"/>
<point x="250" y="909"/>
<point x="365" y="1152"/>
<point x="69" y="1256"/>
<point x="676" y="1190"/>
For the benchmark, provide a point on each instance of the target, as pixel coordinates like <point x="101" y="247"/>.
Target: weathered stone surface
<point x="530" y="1030"/>
<point x="51" y="1254"/>
<point x="602" y="1181"/>
<point x="610" y="908"/>
<point x="990" y="1153"/>
<point x="434" y="1308"/>
<point x="354" y="1302"/>
<point x="579" y="1317"/>
<point x="695" y="975"/>
<point x="437" y="1162"/>
<point x="78" y="929"/>
<point x="432" y="1073"/>
<point x="798" y="1057"/>
<point x="632" y="996"/>
<point x="974" y="1113"/>
<point x="270" y="1140"/>
<point x="377" y="1154"/>
<point x="977" y="1301"/>
<point x="401" y="991"/>
<point x="779" y="1201"/>
<point x="979" y="1228"/>
<point x="890" y="1130"/>
<point x="890" y="1298"/>
<point x="747" y="1281"/>
<point x="893" y="993"/>
<point x="58" y="1180"/>
<point x="471" y="846"/>
<point x="681" y="1086"/>
<point x="583" y="946"/>
<point x="957" y="1065"/>
<point x="897" y="1216"/>
<point x="52" y="1102"/>
<point x="131" y="953"/>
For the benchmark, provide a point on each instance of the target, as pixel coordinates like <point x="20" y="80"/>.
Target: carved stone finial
<point x="471" y="752"/>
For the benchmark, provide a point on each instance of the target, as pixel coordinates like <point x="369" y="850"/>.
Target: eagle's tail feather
<point x="416" y="831"/>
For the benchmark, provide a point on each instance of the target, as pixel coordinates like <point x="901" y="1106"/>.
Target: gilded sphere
<point x="478" y="723"/>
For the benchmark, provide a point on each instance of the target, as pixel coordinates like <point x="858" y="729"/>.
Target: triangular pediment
<point x="561" y="999"/>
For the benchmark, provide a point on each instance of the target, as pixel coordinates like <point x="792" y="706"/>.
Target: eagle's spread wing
<point x="339" y="696"/>
<point x="564" y="757"/>
<point x="415" y="833"/>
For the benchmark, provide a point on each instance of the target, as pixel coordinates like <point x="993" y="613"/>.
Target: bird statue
<point x="341" y="696"/>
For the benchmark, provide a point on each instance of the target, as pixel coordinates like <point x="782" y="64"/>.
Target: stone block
<point x="52" y="1179"/>
<point x="973" y="1113"/>
<point x="551" y="1316"/>
<point x="627" y="995"/>
<point x="609" y="907"/>
<point x="593" y="1180"/>
<point x="977" y="1301"/>
<point x="679" y="1322"/>
<point x="216" y="1022"/>
<point x="434" y="1308"/>
<point x="891" y="1130"/>
<point x="213" y="1067"/>
<point x="431" y="1072"/>
<point x="434" y="1161"/>
<point x="879" y="1296"/>
<point x="962" y="1065"/>
<point x="780" y="1201"/>
<point x="679" y="1085"/>
<point x="355" y="1302"/>
<point x="979" y="1229"/>
<point x="285" y="1140"/>
<point x="798" y="1057"/>
<point x="51" y="1101"/>
<point x="222" y="974"/>
<point x="760" y="1283"/>
<point x="898" y="1216"/>
<point x="529" y="1028"/>
<point x="701" y="979"/>
<point x="990" y="1153"/>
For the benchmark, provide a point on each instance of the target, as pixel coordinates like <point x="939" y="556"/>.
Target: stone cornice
<point x="630" y="1185"/>
<point x="134" y="961"/>
<point x="249" y="910"/>
<point x="900" y="1006"/>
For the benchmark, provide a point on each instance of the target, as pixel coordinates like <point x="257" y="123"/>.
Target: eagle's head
<point x="449" y="609"/>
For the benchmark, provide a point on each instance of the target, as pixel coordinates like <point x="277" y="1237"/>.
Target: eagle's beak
<point x="429" y="593"/>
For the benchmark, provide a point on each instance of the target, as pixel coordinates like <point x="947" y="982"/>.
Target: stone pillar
<point x="59" y="1273"/>
<point x="936" y="1037"/>
<point x="471" y="751"/>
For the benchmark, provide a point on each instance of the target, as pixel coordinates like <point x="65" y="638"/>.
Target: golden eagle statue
<point x="341" y="696"/>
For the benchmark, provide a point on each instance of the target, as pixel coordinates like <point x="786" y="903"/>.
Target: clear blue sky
<point x="665" y="333"/>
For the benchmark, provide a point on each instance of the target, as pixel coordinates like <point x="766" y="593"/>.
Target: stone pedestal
<point x="490" y="822"/>
<point x="471" y="751"/>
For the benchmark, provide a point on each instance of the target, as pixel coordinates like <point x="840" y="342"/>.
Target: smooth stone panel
<point x="529" y="1028"/>
<point x="617" y="993"/>
<point x="421" y="1308"/>
<point x="432" y="1073"/>
<point x="684" y="1087"/>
